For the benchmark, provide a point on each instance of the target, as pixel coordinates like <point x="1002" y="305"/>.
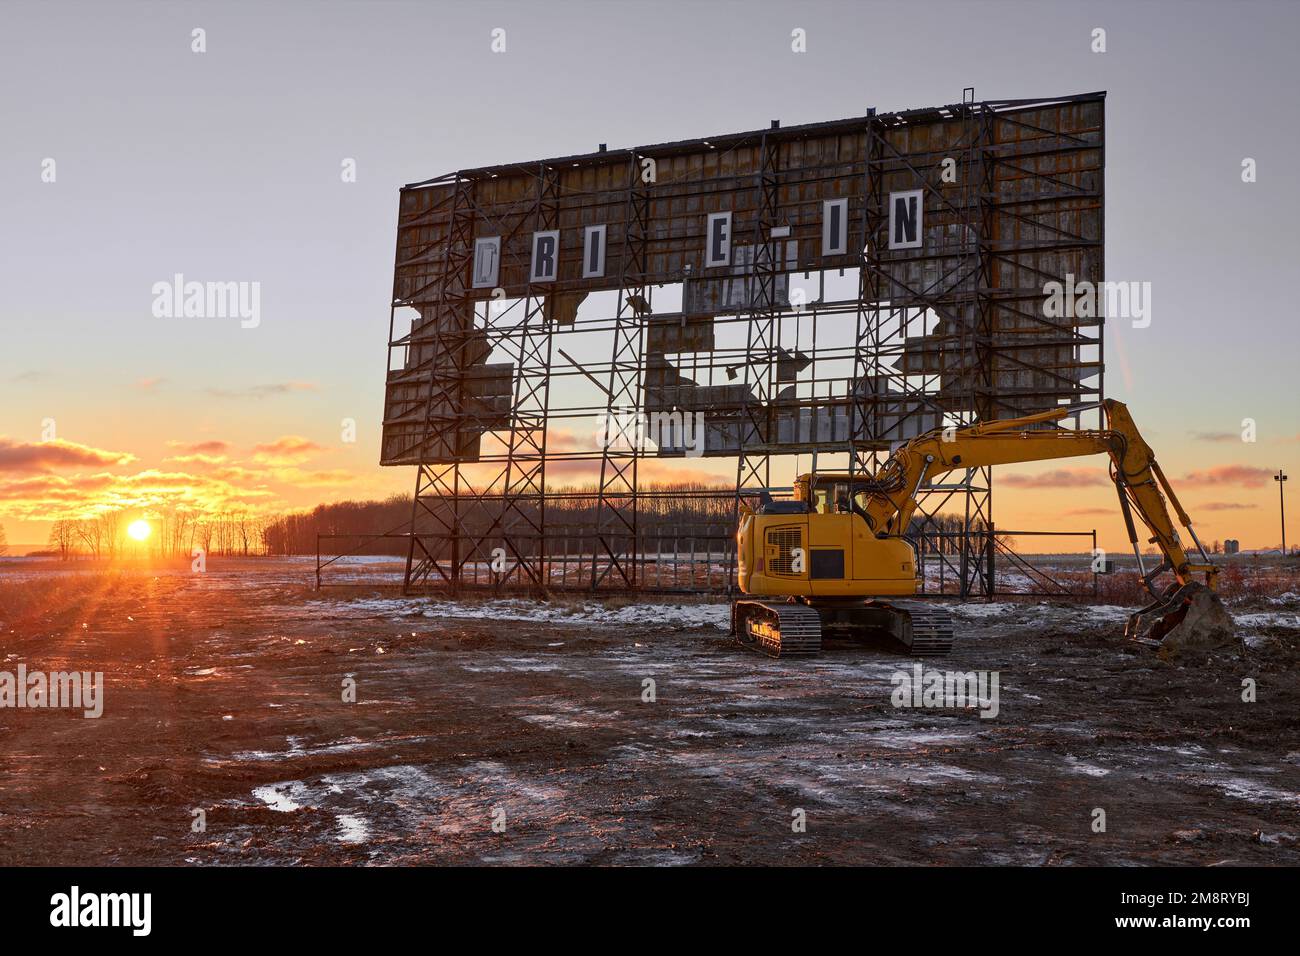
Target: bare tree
<point x="90" y="532"/>
<point x="204" y="531"/>
<point x="174" y="532"/>
<point x="244" y="528"/>
<point x="110" y="533"/>
<point x="63" y="536"/>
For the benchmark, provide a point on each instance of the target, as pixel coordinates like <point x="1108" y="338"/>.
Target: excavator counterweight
<point x="836" y="559"/>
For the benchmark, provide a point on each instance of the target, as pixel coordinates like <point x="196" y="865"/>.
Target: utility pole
<point x="1280" y="478"/>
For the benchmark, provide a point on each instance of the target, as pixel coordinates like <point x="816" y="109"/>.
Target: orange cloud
<point x="211" y="447"/>
<point x="667" y="472"/>
<point x="1057" y="478"/>
<point x="1224" y="506"/>
<point x="585" y="473"/>
<point x="1244" y="475"/>
<point x="562" y="440"/>
<point x="262" y="391"/>
<point x="286" y="450"/>
<point x="313" y="479"/>
<point x="581" y="471"/>
<point x="44" y="456"/>
<point x="239" y="473"/>
<point x="50" y="497"/>
<point x="198" y="459"/>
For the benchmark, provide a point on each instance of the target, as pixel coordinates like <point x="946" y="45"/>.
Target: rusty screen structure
<point x="766" y="299"/>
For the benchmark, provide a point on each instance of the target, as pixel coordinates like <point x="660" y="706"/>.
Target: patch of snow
<point x="275" y="797"/>
<point x="340" y="559"/>
<point x="983" y="609"/>
<point x="1267" y="619"/>
<point x="352" y="828"/>
<point x="1252" y="790"/>
<point x="590" y="613"/>
<point x="296" y="749"/>
<point x="1077" y="766"/>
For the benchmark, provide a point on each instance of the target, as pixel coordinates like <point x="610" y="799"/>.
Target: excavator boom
<point x="1134" y="470"/>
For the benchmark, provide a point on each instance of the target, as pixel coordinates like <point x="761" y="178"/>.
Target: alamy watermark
<point x="76" y="690"/>
<point x="951" y="689"/>
<point x="75" y="908"/>
<point x="637" y="431"/>
<point x="179" y="299"/>
<point x="1096" y="300"/>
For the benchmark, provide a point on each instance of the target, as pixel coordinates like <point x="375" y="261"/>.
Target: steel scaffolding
<point x="493" y="384"/>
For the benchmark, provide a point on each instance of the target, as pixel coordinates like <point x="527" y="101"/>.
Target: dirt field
<point x="224" y="693"/>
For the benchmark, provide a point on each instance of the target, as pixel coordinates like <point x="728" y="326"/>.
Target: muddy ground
<point x="224" y="694"/>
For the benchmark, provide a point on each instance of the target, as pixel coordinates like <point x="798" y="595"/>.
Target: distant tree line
<point x="680" y="509"/>
<point x="173" y="532"/>
<point x="683" y="508"/>
<point x="296" y="533"/>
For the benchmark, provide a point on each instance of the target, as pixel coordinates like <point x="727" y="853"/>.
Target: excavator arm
<point x="834" y="573"/>
<point x="1142" y="486"/>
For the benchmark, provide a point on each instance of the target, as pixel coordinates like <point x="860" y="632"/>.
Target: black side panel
<point x="827" y="563"/>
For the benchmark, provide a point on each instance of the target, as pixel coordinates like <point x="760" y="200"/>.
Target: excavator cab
<point x="830" y="493"/>
<point x="820" y="545"/>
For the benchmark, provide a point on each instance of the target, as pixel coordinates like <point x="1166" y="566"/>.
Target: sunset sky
<point x="225" y="166"/>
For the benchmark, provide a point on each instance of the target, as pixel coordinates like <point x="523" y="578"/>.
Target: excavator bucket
<point x="1185" y="619"/>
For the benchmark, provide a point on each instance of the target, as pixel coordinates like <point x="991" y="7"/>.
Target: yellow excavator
<point x="835" y="559"/>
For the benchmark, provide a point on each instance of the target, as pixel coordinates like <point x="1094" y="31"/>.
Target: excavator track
<point x="929" y="628"/>
<point x="795" y="630"/>
<point x="778" y="630"/>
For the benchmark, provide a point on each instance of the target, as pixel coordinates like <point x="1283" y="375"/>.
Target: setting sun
<point x="139" y="530"/>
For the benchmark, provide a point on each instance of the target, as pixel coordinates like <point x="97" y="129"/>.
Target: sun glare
<point x="139" y="530"/>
